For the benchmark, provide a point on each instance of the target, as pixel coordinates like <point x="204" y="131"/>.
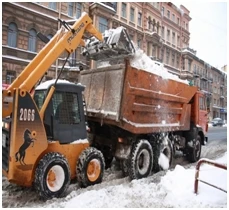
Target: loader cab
<point x="64" y="118"/>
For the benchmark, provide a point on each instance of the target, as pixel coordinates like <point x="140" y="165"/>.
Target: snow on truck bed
<point x="141" y="61"/>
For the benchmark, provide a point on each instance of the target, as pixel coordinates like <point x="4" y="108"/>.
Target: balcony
<point x="210" y="79"/>
<point x="186" y="75"/>
<point x="204" y="77"/>
<point x="195" y="74"/>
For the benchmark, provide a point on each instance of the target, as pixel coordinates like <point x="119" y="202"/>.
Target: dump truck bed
<point x="136" y="100"/>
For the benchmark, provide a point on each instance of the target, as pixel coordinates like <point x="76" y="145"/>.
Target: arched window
<point x="32" y="40"/>
<point x="12" y="35"/>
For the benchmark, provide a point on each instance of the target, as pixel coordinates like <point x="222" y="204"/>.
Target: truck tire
<point x="141" y="160"/>
<point x="194" y="152"/>
<point x="90" y="167"/>
<point x="52" y="176"/>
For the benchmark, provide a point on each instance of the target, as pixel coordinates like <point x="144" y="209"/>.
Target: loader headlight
<point x="5" y="125"/>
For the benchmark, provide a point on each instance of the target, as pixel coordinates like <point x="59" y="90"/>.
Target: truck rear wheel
<point x="195" y="151"/>
<point x="52" y="176"/>
<point x="141" y="160"/>
<point x="90" y="167"/>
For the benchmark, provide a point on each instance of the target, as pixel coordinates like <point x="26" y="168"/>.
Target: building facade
<point x="160" y="29"/>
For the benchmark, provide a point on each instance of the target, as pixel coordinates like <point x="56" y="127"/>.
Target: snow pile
<point x="141" y="61"/>
<point x="176" y="189"/>
<point x="163" y="161"/>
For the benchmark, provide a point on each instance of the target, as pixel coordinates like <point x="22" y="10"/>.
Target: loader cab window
<point x="39" y="98"/>
<point x="202" y="103"/>
<point x="66" y="108"/>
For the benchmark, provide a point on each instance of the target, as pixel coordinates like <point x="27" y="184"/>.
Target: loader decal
<point x="28" y="140"/>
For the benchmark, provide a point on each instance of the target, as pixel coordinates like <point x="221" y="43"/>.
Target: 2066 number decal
<point x="27" y="114"/>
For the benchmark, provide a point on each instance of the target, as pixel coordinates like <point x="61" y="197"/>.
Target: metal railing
<point x="209" y="162"/>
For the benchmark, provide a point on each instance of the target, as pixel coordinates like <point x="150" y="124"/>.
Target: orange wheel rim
<point x="93" y="170"/>
<point x="51" y="178"/>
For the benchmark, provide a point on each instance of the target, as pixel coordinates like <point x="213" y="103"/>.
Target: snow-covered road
<point x="163" y="189"/>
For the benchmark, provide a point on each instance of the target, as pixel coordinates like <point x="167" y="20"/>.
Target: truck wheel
<point x="52" y="176"/>
<point x="90" y="167"/>
<point x="195" y="151"/>
<point x="141" y="160"/>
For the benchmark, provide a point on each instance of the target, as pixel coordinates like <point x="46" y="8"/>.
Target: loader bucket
<point x="116" y="44"/>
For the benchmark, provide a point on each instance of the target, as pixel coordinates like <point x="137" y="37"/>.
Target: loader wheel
<point x="141" y="160"/>
<point x="90" y="167"/>
<point x="52" y="176"/>
<point x="195" y="151"/>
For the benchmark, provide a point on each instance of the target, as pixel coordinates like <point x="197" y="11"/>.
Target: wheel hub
<point x="93" y="170"/>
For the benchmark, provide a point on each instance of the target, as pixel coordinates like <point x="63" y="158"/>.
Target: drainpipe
<point x="58" y="27"/>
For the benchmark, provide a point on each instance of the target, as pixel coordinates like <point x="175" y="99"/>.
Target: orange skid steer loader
<point x="44" y="137"/>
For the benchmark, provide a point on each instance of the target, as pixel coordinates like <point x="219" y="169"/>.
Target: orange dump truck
<point x="142" y="119"/>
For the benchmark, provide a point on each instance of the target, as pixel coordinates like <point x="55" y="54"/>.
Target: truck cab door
<point x="203" y="113"/>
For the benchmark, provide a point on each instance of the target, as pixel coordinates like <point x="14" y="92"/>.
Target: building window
<point x="168" y="35"/>
<point x="70" y="9"/>
<point x="186" y="26"/>
<point x="178" y="41"/>
<point x="114" y="5"/>
<point x="173" y="18"/>
<point x="178" y="62"/>
<point x="10" y="76"/>
<point x="162" y="11"/>
<point x="12" y="35"/>
<point x="139" y="43"/>
<point x="72" y="59"/>
<point x="168" y="14"/>
<point x="167" y="56"/>
<point x="132" y="14"/>
<point x="78" y="10"/>
<point x="103" y="24"/>
<point x="124" y="10"/>
<point x="173" y="38"/>
<point x="189" y="65"/>
<point x="52" y="5"/>
<point x="32" y="40"/>
<point x="178" y="21"/>
<point x="163" y="32"/>
<point x="162" y="55"/>
<point x="173" y="59"/>
<point x="139" y="18"/>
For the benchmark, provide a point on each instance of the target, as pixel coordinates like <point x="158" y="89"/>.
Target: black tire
<point x="52" y="166"/>
<point x="195" y="151"/>
<point x="90" y="159"/>
<point x="141" y="160"/>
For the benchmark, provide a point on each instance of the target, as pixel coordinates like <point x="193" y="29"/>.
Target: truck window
<point x="66" y="107"/>
<point x="202" y="103"/>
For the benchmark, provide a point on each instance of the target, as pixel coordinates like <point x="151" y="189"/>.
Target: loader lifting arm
<point x="66" y="39"/>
